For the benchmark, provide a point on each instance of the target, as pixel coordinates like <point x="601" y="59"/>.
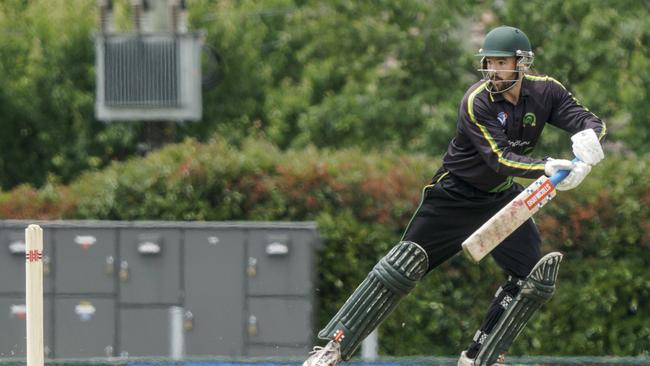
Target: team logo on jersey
<point x="502" y="117"/>
<point x="530" y="119"/>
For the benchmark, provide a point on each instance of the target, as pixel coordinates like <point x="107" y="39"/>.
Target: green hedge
<point x="362" y="201"/>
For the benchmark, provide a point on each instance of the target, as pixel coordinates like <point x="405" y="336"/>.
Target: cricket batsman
<point x="500" y="120"/>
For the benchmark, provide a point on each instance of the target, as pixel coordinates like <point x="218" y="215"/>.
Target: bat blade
<point x="509" y="218"/>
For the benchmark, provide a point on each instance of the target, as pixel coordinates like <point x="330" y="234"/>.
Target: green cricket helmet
<point x="506" y="41"/>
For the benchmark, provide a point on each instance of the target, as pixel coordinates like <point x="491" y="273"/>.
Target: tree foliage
<point x="47" y="94"/>
<point x="300" y="72"/>
<point x="336" y="73"/>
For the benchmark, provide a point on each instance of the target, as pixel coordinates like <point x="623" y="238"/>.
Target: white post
<point x="34" y="294"/>
<point x="370" y="347"/>
<point x="176" y="335"/>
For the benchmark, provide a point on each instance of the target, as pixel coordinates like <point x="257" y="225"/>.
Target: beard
<point x="501" y="84"/>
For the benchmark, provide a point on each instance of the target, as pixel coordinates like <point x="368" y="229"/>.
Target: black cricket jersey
<point x="494" y="137"/>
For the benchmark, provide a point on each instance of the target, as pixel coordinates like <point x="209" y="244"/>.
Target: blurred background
<point x="330" y="114"/>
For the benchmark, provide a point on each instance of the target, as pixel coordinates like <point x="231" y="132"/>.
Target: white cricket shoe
<point x="466" y="361"/>
<point x="330" y="355"/>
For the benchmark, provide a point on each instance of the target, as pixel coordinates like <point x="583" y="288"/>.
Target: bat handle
<point x="559" y="176"/>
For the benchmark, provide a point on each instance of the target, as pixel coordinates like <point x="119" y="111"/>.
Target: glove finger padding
<point x="576" y="176"/>
<point x="553" y="166"/>
<point x="586" y="147"/>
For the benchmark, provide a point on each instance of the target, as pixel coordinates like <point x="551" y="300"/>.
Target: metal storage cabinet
<point x="85" y="258"/>
<point x="279" y="322"/>
<point x="244" y="288"/>
<point x="214" y="286"/>
<point x="249" y="289"/>
<point x="84" y="327"/>
<point x="12" y="261"/>
<point x="144" y="332"/>
<point x="149" y="266"/>
<point x="13" y="327"/>
<point x="280" y="285"/>
<point x="279" y="262"/>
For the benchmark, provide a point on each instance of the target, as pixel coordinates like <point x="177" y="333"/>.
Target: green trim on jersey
<point x="503" y="186"/>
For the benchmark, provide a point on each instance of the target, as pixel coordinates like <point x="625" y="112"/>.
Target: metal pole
<point x="370" y="347"/>
<point x="176" y="335"/>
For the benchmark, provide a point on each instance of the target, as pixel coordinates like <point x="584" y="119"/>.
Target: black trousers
<point x="451" y="210"/>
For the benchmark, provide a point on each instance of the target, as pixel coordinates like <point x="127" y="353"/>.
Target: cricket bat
<point x="511" y="216"/>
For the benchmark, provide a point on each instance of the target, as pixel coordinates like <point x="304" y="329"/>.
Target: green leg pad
<point x="538" y="288"/>
<point x="389" y="281"/>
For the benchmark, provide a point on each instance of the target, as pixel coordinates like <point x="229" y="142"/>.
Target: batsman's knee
<point x="402" y="267"/>
<point x="540" y="283"/>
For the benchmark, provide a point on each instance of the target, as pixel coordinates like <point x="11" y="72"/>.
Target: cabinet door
<point x="144" y="332"/>
<point x="149" y="266"/>
<point x="12" y="260"/>
<point x="279" y="321"/>
<point x="85" y="260"/>
<point x="214" y="285"/>
<point x="282" y="261"/>
<point x="13" y="341"/>
<point x="85" y="327"/>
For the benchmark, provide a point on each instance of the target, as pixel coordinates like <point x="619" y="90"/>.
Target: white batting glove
<point x="586" y="147"/>
<point x="553" y="166"/>
<point x="577" y="175"/>
<point x="578" y="172"/>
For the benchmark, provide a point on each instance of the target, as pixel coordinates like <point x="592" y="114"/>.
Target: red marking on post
<point x="33" y="255"/>
<point x="539" y="194"/>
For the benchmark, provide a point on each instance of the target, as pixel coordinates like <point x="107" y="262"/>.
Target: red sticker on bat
<point x="539" y="194"/>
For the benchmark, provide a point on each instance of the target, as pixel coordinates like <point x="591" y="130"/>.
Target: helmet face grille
<point x="524" y="63"/>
